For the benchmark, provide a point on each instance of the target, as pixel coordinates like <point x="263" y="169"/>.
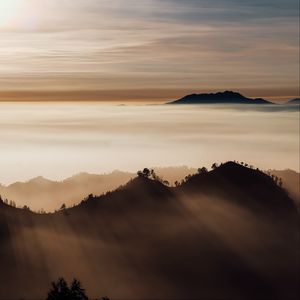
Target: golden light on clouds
<point x="193" y="46"/>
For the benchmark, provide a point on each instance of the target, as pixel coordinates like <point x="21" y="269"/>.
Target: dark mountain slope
<point x="140" y="196"/>
<point x="41" y="193"/>
<point x="201" y="240"/>
<point x="291" y="182"/>
<point x="247" y="187"/>
<point x="227" y="97"/>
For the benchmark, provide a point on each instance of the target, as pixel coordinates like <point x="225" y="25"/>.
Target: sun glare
<point x="9" y="10"/>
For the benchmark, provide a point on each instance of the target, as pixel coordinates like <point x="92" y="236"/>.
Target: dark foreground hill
<point x="291" y="182"/>
<point x="231" y="233"/>
<point x="227" y="97"/>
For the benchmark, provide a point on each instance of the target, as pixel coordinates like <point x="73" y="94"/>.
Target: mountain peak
<point x="294" y="101"/>
<point x="39" y="178"/>
<point x="226" y="97"/>
<point x="248" y="186"/>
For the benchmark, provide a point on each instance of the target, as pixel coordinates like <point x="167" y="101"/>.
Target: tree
<point x="214" y="166"/>
<point x="202" y="170"/>
<point x="63" y="207"/>
<point x="25" y="207"/>
<point x="12" y="203"/>
<point x="146" y="172"/>
<point x="61" y="291"/>
<point x="77" y="292"/>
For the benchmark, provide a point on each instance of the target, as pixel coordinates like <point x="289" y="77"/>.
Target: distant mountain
<point x="40" y="193"/>
<point x="227" y="97"/>
<point x="294" y="101"/>
<point x="231" y="233"/>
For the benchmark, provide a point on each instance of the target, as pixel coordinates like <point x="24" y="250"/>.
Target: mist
<point x="57" y="140"/>
<point x="132" y="253"/>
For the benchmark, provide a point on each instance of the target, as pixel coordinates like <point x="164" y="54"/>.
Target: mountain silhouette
<point x="230" y="233"/>
<point x="248" y="187"/>
<point x="294" y="101"/>
<point x="41" y="193"/>
<point x="226" y="97"/>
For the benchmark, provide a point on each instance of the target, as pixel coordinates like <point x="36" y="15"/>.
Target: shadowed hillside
<point x="40" y="193"/>
<point x="291" y="182"/>
<point x="230" y="233"/>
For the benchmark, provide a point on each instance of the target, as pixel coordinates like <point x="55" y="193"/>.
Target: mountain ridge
<point x="210" y="237"/>
<point x="226" y="97"/>
<point x="293" y="101"/>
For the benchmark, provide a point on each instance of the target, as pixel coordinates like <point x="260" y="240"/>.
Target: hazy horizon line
<point x="133" y="95"/>
<point x="106" y="173"/>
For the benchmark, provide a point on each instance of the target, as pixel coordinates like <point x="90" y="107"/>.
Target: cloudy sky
<point x="147" y="49"/>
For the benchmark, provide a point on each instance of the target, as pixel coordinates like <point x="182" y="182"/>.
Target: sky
<point x="150" y="50"/>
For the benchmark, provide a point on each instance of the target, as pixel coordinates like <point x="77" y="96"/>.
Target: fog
<point x="57" y="140"/>
<point x="196" y="246"/>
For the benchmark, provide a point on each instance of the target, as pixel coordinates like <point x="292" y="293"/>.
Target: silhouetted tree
<point x="214" y="166"/>
<point x="146" y="172"/>
<point x="202" y="170"/>
<point x="187" y="177"/>
<point x="77" y="292"/>
<point x="61" y="291"/>
<point x="63" y="207"/>
<point x="25" y="207"/>
<point x="11" y="203"/>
